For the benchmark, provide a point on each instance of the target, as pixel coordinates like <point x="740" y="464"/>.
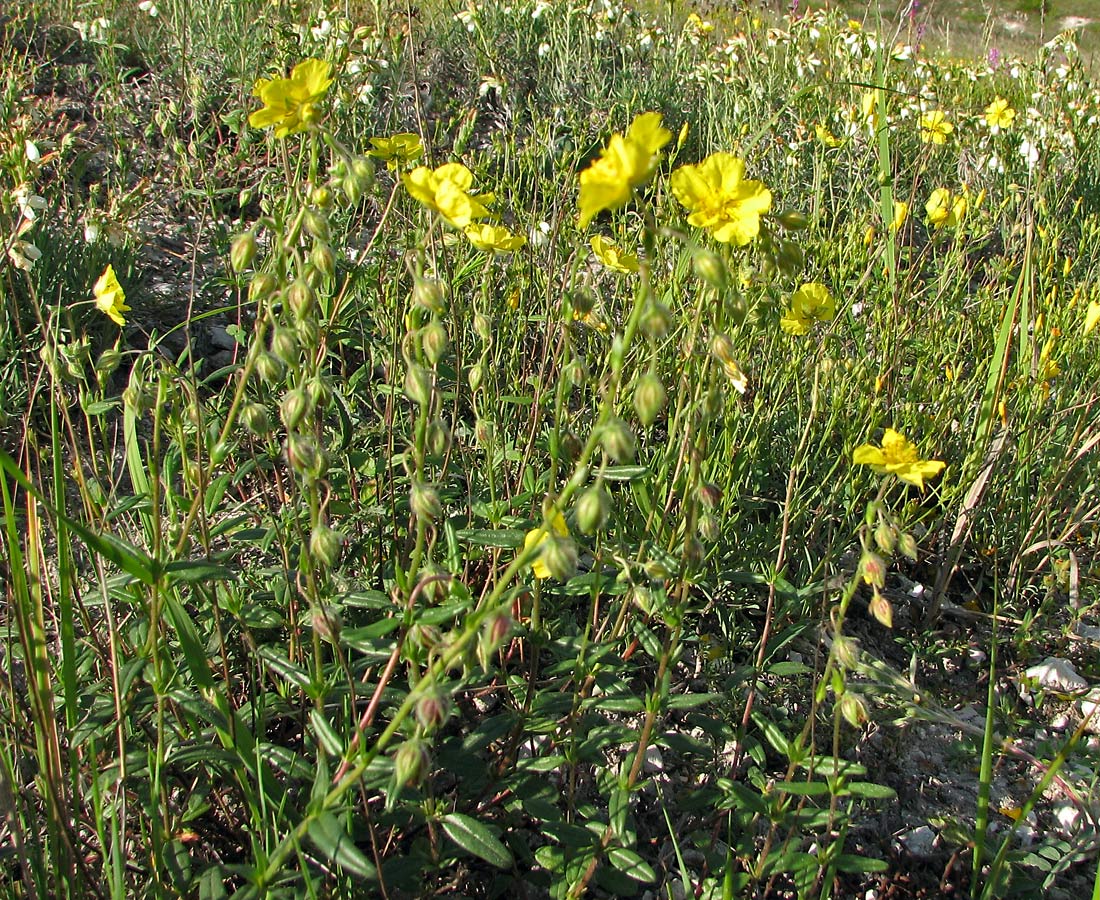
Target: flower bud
<point x="872" y="569"/>
<point x="881" y="610"/>
<point x="433" y="709"/>
<point x="576" y="371"/>
<point x="430" y="294"/>
<point x="484" y="432"/>
<point x="325" y="545"/>
<point x="559" y="555"/>
<point x="321" y="197"/>
<point x="790" y="258"/>
<point x="475" y="376"/>
<point x="710" y="267"/>
<point x="649" y="398"/>
<point x="322" y="257"/>
<point x="846" y="651"/>
<point x="319" y="392"/>
<point x="693" y="551"/>
<point x="853" y="709"/>
<point x="262" y="286"/>
<point x="709" y="529"/>
<point x="316" y="224"/>
<point x="410" y="761"/>
<point x="593" y="509"/>
<point x="301" y="298"/>
<point x="483" y="327"/>
<point x="309" y="335"/>
<point x="293" y="408"/>
<point x="302" y="454"/>
<point x="424" y="502"/>
<point x="270" y="368"/>
<point x="326" y="621"/>
<point x="220" y="451"/>
<point x="363" y="169"/>
<point x="656" y="320"/>
<point x="710" y="494"/>
<point x="284" y="345"/>
<point x="886" y="537"/>
<point x="418" y="384"/>
<point x="242" y="251"/>
<point x="107" y="363"/>
<point x="351" y="187"/>
<point x="425" y="636"/>
<point x="439" y="437"/>
<point x="722" y="349"/>
<point x="907" y="545"/>
<point x="433" y="338"/>
<point x="582" y="300"/>
<point x="254" y="417"/>
<point x="618" y="440"/>
<point x="793" y="220"/>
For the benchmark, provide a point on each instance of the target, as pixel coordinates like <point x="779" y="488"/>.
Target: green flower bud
<point x="593" y="509"/>
<point x="793" y="220"/>
<point x="309" y="335"/>
<point x="424" y="502"/>
<point x="433" y="709"/>
<point x="559" y="554"/>
<point x="907" y="545"/>
<point x="352" y="188"/>
<point x="853" y="709"/>
<point x="618" y="440"/>
<point x="242" y="251"/>
<point x="363" y="169"/>
<point x="872" y="569"/>
<point x="107" y="363"/>
<point x="319" y="392"/>
<point x="483" y="327"/>
<point x="270" y="368"/>
<point x="439" y="437"/>
<point x="220" y="451"/>
<point x="325" y="545"/>
<point x="846" y="651"/>
<point x="316" y="224"/>
<point x="322" y="257"/>
<point x="328" y="623"/>
<point x="649" y="398"/>
<point x="321" y="197"/>
<point x="301" y="298"/>
<point x="425" y="637"/>
<point x="710" y="267"/>
<point x="411" y="761"/>
<point x="710" y="494"/>
<point x="886" y="537"/>
<point x="254" y="417"/>
<point x="433" y="337"/>
<point x="284" y="345"/>
<point x="790" y="258"/>
<point x="418" y="385"/>
<point x="475" y="376"/>
<point x="262" y="286"/>
<point x="882" y="611"/>
<point x="582" y="300"/>
<point x="693" y="551"/>
<point x="303" y="455"/>
<point x="709" y="529"/>
<point x="293" y="408"/>
<point x="656" y="320"/>
<point x="430" y="294"/>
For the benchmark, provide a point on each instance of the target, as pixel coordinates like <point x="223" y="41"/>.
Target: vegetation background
<point x="424" y="475"/>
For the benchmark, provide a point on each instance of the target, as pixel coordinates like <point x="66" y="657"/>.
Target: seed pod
<point x="475" y="376"/>
<point x="872" y="568"/>
<point x="363" y="169"/>
<point x="284" y="345"/>
<point x="853" y="709"/>
<point x="431" y="294"/>
<point x="886" y="537"/>
<point x="328" y="623"/>
<point x="270" y="368"/>
<point x="433" y="709"/>
<point x="846" y="651"/>
<point x="793" y="220"/>
<point x="316" y="224"/>
<point x="649" y="398"/>
<point x="321" y="197"/>
<point x="319" y="392"/>
<point x="243" y="251"/>
<point x="907" y="545"/>
<point x="410" y="761"/>
<point x="656" y="320"/>
<point x="593" y="509"/>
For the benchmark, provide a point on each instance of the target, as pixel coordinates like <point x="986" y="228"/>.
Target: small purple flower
<point x="994" y="57"/>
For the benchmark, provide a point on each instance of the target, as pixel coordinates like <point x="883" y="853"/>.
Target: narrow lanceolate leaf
<point x="329" y="836"/>
<point x="476" y="838"/>
<point x="631" y="864"/>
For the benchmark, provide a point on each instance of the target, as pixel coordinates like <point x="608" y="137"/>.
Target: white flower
<point x="544" y="48"/>
<point x="540" y="8"/>
<point x="31" y="149"/>
<point x="24" y="255"/>
<point x="91" y="232"/>
<point x="149" y="7"/>
<point x="1029" y="152"/>
<point x="539" y="234"/>
<point x="29" y="203"/>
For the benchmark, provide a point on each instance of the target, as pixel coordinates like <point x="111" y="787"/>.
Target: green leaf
<point x="329" y="836"/>
<point x="283" y="666"/>
<point x="849" y="862"/>
<point x="509" y="538"/>
<point x="326" y="735"/>
<point x="193" y="571"/>
<point x="803" y="788"/>
<point x="690" y="701"/>
<point x="870" y="790"/>
<point x="631" y="864"/>
<point x="476" y="838"/>
<point x="624" y="473"/>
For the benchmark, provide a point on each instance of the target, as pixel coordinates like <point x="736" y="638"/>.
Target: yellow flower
<point x="537" y="536"/>
<point x="445" y="190"/>
<point x="624" y="164"/>
<point x="999" y="115"/>
<point x="398" y="149"/>
<point x="898" y="457"/>
<point x="612" y="257"/>
<point x="944" y="208"/>
<point x="826" y="136"/>
<point x="494" y="238"/>
<point x="110" y="299"/>
<point x="1092" y="316"/>
<point x="934" y="127"/>
<point x="697" y="25"/>
<point x="901" y="211"/>
<point x="289" y="102"/>
<point x="869" y="107"/>
<point x="810" y="303"/>
<point x="720" y="200"/>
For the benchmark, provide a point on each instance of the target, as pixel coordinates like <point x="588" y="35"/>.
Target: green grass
<point x="362" y="561"/>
